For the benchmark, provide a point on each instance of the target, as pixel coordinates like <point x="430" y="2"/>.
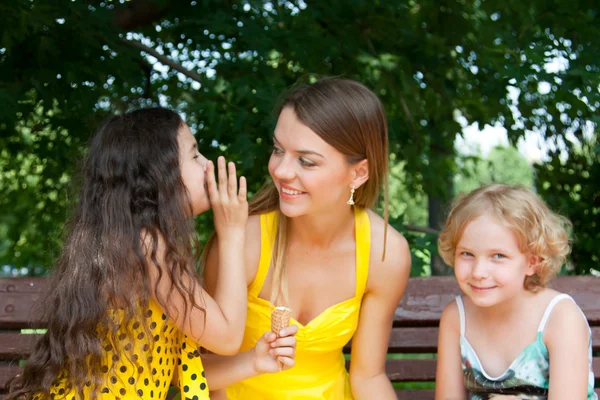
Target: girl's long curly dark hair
<point x="131" y="184"/>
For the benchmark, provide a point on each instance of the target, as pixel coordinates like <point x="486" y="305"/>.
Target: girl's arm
<point x="263" y="358"/>
<point x="449" y="375"/>
<point x="385" y="287"/>
<point x="220" y="328"/>
<point x="567" y="338"/>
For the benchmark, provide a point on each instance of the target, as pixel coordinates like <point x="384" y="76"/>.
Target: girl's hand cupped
<point x="229" y="205"/>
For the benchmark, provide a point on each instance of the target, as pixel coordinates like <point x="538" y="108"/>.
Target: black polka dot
<point x="152" y="393"/>
<point x="134" y="358"/>
<point x="195" y="397"/>
<point x="178" y="361"/>
<point x="194" y="376"/>
<point x="104" y="390"/>
<point x="140" y="370"/>
<point x="131" y="380"/>
<point x="62" y="391"/>
<point x="140" y="392"/>
<point x="186" y="388"/>
<point x="141" y="335"/>
<point x="203" y="386"/>
<point x="146" y="382"/>
<point x="148" y="313"/>
<point x="160" y="361"/>
<point x="204" y="376"/>
<point x="146" y="347"/>
<point x="128" y="346"/>
<point x="122" y="391"/>
<point x="122" y="336"/>
<point x="158" y="349"/>
<point x="123" y="368"/>
<point x="164" y="317"/>
<point x="150" y="358"/>
<point x="108" y="347"/>
<point x="115" y="358"/>
<point x="190" y="355"/>
<point x="113" y="379"/>
<point x="104" y="369"/>
<point x="183" y="345"/>
<point x="185" y="367"/>
<point x="156" y="337"/>
<point x="153" y="371"/>
<point x="157" y="383"/>
<point x="153" y="325"/>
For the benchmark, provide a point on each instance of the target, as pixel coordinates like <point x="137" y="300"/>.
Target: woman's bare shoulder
<point x="397" y="261"/>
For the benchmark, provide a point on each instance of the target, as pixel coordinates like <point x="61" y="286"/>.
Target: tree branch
<point x="163" y="59"/>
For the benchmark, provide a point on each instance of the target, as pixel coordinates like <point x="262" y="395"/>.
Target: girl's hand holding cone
<point x="274" y="353"/>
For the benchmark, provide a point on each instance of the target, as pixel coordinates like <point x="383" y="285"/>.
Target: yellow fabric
<point x="147" y="371"/>
<point x="320" y="371"/>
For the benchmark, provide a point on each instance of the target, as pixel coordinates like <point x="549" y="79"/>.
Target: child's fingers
<point x="288" y="331"/>
<point x="243" y="191"/>
<point x="287" y="362"/>
<point x="211" y="183"/>
<point x="231" y="181"/>
<point x="283" y="351"/>
<point x="222" y="172"/>
<point x="289" y="341"/>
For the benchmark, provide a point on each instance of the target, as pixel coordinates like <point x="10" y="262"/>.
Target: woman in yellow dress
<point x="127" y="313"/>
<point x="322" y="251"/>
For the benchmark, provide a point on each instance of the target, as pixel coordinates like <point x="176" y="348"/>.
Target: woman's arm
<point x="449" y="375"/>
<point x="567" y="338"/>
<point x="387" y="281"/>
<point x="220" y="328"/>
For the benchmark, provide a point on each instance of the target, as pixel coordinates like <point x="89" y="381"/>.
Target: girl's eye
<point x="306" y="163"/>
<point x="498" y="256"/>
<point x="466" y="254"/>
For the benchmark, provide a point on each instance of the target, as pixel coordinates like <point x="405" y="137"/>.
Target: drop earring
<point x="351" y="199"/>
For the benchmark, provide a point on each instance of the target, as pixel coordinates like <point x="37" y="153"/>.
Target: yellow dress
<point x="144" y="370"/>
<point x="320" y="371"/>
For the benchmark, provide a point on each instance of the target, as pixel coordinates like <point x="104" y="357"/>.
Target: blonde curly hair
<point x="540" y="232"/>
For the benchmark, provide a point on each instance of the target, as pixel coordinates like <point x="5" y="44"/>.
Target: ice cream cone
<point x="280" y="318"/>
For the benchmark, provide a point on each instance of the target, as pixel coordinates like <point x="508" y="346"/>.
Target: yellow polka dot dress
<point x="147" y="367"/>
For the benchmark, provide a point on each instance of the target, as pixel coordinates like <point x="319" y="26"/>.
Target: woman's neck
<point x="324" y="229"/>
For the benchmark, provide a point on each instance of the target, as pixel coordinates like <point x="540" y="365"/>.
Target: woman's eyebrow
<point x="304" y="152"/>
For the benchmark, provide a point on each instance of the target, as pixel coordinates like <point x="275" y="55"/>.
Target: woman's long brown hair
<point x="131" y="184"/>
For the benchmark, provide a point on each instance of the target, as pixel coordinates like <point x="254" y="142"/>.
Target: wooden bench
<point x="415" y="327"/>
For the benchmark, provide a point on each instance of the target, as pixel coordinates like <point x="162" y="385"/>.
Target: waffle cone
<point x="280" y="318"/>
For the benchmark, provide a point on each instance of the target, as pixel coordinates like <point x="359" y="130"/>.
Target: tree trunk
<point x="437" y="207"/>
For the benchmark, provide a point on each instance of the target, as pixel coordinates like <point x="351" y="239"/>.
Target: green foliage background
<point x="65" y="65"/>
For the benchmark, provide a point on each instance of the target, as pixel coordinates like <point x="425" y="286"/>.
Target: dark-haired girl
<point x="127" y="313"/>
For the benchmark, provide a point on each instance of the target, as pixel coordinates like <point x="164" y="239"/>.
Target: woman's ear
<point x="360" y="173"/>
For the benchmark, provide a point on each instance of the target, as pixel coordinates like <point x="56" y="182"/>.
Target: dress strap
<point x="362" y="229"/>
<point x="461" y="315"/>
<point x="553" y="302"/>
<point x="268" y="232"/>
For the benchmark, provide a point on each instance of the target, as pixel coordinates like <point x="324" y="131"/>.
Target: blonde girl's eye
<point x="498" y="256"/>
